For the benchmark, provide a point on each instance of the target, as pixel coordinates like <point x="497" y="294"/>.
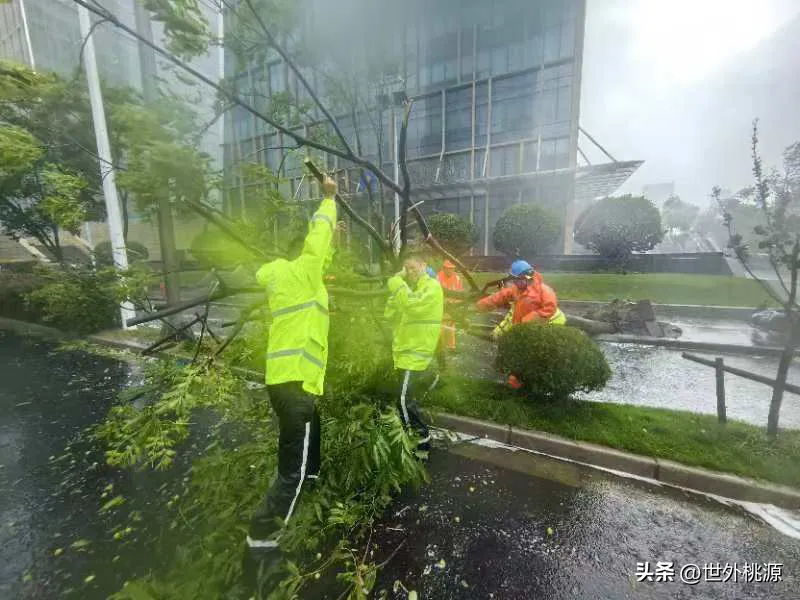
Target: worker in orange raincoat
<point x="450" y="280"/>
<point x="530" y="298"/>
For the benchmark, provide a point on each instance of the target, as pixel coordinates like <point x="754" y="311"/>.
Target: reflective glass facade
<point x="496" y="88"/>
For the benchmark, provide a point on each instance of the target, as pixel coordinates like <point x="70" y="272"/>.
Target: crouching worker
<point x="414" y="308"/>
<point x="297" y="354"/>
<point x="529" y="300"/>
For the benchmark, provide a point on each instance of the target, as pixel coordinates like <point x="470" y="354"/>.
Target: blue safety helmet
<point x="430" y="272"/>
<point x="520" y="267"/>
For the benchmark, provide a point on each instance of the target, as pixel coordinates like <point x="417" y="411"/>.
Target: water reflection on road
<point x="653" y="376"/>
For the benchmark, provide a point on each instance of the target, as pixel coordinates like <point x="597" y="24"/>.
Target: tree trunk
<point x="780" y="381"/>
<point x="124" y="205"/>
<point x="57" y="251"/>
<point x="590" y="326"/>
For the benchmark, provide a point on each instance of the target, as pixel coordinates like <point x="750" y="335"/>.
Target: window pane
<point x="276" y="83"/>
<point x="425" y="127"/>
<point x="547" y="107"/>
<point x="481" y="113"/>
<point x="552" y="44"/>
<point x="562" y="153"/>
<point x="466" y="52"/>
<point x="529" y="164"/>
<point x="562" y="112"/>
<point x="480" y="157"/>
<point x="512" y="107"/>
<point x="499" y="61"/>
<point x="458" y="122"/>
<point x="567" y="39"/>
<point x="533" y="51"/>
<point x="548" y="158"/>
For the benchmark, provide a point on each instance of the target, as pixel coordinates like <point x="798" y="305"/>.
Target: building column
<point x="486" y="222"/>
<point x="575" y="106"/>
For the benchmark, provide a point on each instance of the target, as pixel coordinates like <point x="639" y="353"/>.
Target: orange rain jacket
<point x="537" y="301"/>
<point x="450" y="280"/>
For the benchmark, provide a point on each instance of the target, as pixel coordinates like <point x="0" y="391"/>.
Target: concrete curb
<point x="736" y="313"/>
<point x="664" y="471"/>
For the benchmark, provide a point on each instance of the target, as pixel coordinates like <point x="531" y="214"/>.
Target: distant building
<point x="495" y="122"/>
<point x="658" y="193"/>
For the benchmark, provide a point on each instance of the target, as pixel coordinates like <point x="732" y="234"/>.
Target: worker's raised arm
<point x="497" y="300"/>
<point x="317" y="246"/>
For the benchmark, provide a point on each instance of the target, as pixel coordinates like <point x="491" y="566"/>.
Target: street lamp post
<point x="118" y="250"/>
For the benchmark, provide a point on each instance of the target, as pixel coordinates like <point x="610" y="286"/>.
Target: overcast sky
<point x="644" y="62"/>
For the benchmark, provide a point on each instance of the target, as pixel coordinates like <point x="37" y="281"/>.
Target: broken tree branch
<point x="405" y="194"/>
<point x="208" y="215"/>
<point x="290" y="63"/>
<point x="384" y="245"/>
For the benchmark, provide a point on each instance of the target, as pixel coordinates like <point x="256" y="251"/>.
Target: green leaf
<point x="113" y="503"/>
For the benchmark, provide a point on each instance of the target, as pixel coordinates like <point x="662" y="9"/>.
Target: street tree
<point x="617" y="226"/>
<point x="677" y="214"/>
<point x="456" y="234"/>
<point x="49" y="180"/>
<point x="526" y="230"/>
<point x="776" y="194"/>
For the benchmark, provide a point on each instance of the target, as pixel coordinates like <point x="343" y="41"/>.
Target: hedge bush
<point x="526" y="230"/>
<point x="136" y="252"/>
<point x="457" y="235"/>
<point x="552" y="362"/>
<point x="13" y="289"/>
<point x="75" y="299"/>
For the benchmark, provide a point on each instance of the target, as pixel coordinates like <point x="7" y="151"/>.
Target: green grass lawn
<point x="660" y="288"/>
<point x="688" y="438"/>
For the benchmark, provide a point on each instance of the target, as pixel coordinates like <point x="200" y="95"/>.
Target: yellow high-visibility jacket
<point x="298" y="335"/>
<point x="416" y="317"/>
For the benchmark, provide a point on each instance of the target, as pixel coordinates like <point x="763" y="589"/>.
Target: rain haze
<point x="677" y="84"/>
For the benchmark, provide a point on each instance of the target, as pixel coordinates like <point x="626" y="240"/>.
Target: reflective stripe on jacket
<point x="298" y="301"/>
<point x="416" y="318"/>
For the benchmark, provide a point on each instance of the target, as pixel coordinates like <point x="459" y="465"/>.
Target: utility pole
<point x="166" y="227"/>
<point x="107" y="174"/>
<point x="27" y="33"/>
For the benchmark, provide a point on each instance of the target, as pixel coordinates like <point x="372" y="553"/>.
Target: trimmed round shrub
<point x="136" y="252"/>
<point x="617" y="226"/>
<point x="526" y="230"/>
<point x="455" y="234"/>
<point x="552" y="362"/>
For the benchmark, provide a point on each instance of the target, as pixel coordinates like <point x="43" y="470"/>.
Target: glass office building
<point x="495" y="120"/>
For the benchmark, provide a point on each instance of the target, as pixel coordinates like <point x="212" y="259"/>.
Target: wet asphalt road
<point x="489" y="524"/>
<point x="554" y="530"/>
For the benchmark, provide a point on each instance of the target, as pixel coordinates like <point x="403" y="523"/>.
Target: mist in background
<point x="677" y="84"/>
